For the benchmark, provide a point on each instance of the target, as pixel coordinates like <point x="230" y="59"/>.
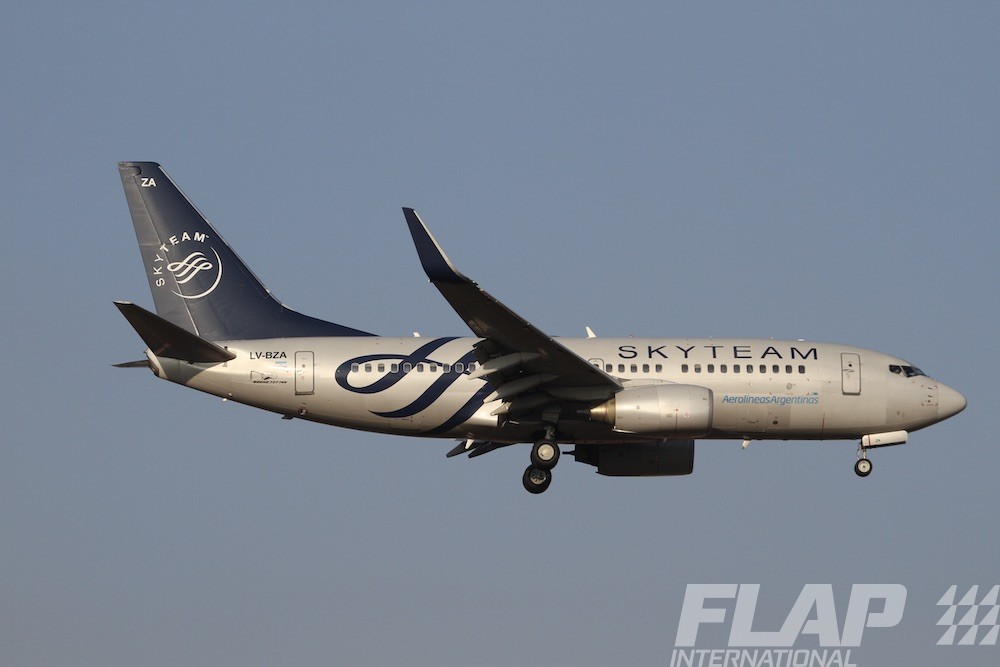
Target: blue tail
<point x="198" y="282"/>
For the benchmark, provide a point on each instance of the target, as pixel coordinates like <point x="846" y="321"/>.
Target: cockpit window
<point x="906" y="371"/>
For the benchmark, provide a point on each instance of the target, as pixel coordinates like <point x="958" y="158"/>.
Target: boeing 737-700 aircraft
<point x="629" y="406"/>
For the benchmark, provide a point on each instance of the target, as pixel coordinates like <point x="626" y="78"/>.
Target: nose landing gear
<point x="863" y="467"/>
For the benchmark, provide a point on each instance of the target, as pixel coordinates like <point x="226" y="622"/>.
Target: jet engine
<point x="659" y="410"/>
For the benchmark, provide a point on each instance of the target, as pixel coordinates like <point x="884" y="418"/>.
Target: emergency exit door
<point x="850" y="373"/>
<point x="305" y="381"/>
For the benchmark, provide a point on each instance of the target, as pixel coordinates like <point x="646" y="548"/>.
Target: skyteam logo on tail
<point x="188" y="268"/>
<point x="191" y="266"/>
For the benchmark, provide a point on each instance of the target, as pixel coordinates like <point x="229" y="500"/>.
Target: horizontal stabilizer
<point x="166" y="339"/>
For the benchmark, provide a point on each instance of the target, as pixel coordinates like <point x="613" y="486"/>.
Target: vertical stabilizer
<point x="197" y="281"/>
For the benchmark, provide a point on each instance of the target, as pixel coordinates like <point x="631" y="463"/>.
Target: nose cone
<point x="950" y="402"/>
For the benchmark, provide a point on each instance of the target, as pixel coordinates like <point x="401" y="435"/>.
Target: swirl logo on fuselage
<point x="404" y="364"/>
<point x="196" y="263"/>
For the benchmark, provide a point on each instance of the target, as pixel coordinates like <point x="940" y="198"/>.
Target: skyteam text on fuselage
<point x="629" y="406"/>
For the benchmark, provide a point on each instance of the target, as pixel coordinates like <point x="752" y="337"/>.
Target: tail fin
<point x="198" y="282"/>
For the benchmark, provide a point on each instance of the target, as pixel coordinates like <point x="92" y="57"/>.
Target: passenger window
<point x="684" y="368"/>
<point x="472" y="367"/>
<point x="368" y="368"/>
<point x="460" y="367"/>
<point x="749" y="368"/>
<point x="802" y="370"/>
<point x="736" y="368"/>
<point x="621" y="368"/>
<point x="723" y="368"/>
<point x="394" y="368"/>
<point x="420" y="368"/>
<point x="433" y="368"/>
<point x="407" y="367"/>
<point x="788" y="368"/>
<point x="697" y="368"/>
<point x="659" y="368"/>
<point x="381" y="368"/>
<point x="608" y="368"/>
<point x="763" y="368"/>
<point x="775" y="369"/>
<point x="634" y="368"/>
<point x="355" y="368"/>
<point x="645" y="368"/>
<point x="711" y="368"/>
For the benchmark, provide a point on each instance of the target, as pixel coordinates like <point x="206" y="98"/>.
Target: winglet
<point x="437" y="266"/>
<point x="166" y="339"/>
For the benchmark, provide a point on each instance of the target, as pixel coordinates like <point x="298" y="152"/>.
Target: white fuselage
<point x="761" y="389"/>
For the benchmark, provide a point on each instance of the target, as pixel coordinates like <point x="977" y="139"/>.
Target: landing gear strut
<point x="863" y="467"/>
<point x="544" y="457"/>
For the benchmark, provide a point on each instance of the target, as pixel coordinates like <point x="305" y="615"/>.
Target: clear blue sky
<point x="797" y="170"/>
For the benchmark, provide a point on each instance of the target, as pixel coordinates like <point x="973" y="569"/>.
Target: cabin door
<point x="305" y="382"/>
<point x="850" y="373"/>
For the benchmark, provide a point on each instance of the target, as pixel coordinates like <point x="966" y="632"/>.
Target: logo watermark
<point x="820" y="629"/>
<point x="813" y="613"/>
<point x="966" y="617"/>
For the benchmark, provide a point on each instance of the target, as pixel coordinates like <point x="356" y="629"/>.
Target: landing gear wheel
<point x="536" y="479"/>
<point x="545" y="454"/>
<point x="863" y="467"/>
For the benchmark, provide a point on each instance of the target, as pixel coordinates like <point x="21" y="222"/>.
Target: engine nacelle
<point x="659" y="410"/>
<point x="640" y="459"/>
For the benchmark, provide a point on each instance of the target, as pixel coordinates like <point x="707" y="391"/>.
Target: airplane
<point x="627" y="406"/>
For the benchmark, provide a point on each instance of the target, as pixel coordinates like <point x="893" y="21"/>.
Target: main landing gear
<point x="536" y="479"/>
<point x="544" y="457"/>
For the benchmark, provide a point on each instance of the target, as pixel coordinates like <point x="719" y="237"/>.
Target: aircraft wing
<point x="521" y="362"/>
